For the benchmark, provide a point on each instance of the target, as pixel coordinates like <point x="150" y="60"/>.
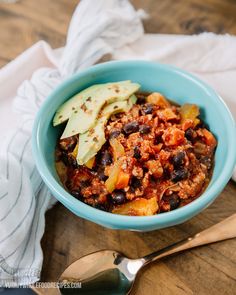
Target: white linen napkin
<point x="97" y="28"/>
<point x="207" y="55"/>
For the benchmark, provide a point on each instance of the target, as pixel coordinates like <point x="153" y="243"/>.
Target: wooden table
<point x="207" y="270"/>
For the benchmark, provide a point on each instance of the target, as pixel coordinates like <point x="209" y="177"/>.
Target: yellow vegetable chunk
<point x="75" y="151"/>
<point x="189" y="112"/>
<point x="111" y="181"/>
<point x="138" y="207"/>
<point x="158" y="99"/>
<point x="90" y="163"/>
<point x="118" y="149"/>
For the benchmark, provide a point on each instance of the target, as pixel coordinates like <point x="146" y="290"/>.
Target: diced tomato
<point x="164" y="155"/>
<point x="187" y="124"/>
<point x="173" y="136"/>
<point x="209" y="138"/>
<point x="123" y="180"/>
<point x="157" y="147"/>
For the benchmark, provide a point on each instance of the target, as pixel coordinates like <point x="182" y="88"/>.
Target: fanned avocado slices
<point x="91" y="141"/>
<point x="83" y="109"/>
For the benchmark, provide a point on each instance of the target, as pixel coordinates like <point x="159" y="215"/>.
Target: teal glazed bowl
<point x="175" y="84"/>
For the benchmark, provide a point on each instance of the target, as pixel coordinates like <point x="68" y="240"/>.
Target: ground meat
<point x="154" y="168"/>
<point x="157" y="154"/>
<point x="137" y="172"/>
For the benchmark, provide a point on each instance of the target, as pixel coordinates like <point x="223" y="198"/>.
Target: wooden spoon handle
<point x="223" y="230"/>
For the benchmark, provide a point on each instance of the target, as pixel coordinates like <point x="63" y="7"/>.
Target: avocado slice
<point x="91" y="141"/>
<point x="88" y="108"/>
<point x="64" y="112"/>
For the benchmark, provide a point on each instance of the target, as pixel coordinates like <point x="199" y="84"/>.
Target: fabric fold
<point x="106" y="26"/>
<point x="24" y="199"/>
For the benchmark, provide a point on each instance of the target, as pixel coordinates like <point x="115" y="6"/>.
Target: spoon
<point x="109" y="272"/>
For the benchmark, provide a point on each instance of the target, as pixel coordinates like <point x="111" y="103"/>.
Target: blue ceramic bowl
<point x="174" y="83"/>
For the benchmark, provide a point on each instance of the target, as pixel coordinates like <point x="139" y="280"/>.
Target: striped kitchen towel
<point x="97" y="28"/>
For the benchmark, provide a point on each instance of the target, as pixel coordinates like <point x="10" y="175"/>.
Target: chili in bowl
<point x="150" y="156"/>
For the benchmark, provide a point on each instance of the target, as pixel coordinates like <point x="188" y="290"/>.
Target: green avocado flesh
<point x="88" y="112"/>
<point x="91" y="141"/>
<point x="83" y="110"/>
<point x="65" y="111"/>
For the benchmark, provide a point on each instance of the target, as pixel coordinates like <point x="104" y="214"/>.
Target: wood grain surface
<point x="206" y="270"/>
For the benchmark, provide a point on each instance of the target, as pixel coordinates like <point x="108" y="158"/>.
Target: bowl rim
<point x="123" y="221"/>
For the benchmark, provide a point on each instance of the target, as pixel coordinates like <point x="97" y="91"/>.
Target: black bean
<point x="100" y="207"/>
<point x="141" y="100"/>
<point x="65" y="159"/>
<point x="141" y="97"/>
<point x="118" y="197"/>
<point x="73" y="162"/>
<point x="137" y="154"/>
<point x="178" y="159"/>
<point x="131" y="127"/>
<point x="166" y="172"/>
<point x="206" y="161"/>
<point x="145" y="170"/>
<point x="76" y="194"/>
<point x="135" y="182"/>
<point x="147" y="108"/>
<point x="144" y="129"/>
<point x="202" y="124"/>
<point x="106" y="158"/>
<point x="85" y="183"/>
<point x="101" y="174"/>
<point x="178" y="175"/>
<point x="69" y="160"/>
<point x="173" y="200"/>
<point x="158" y="138"/>
<point x="152" y="179"/>
<point x="114" y="134"/>
<point x="189" y="134"/>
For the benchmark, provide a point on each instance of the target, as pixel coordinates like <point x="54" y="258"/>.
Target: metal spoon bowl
<point x="109" y="272"/>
